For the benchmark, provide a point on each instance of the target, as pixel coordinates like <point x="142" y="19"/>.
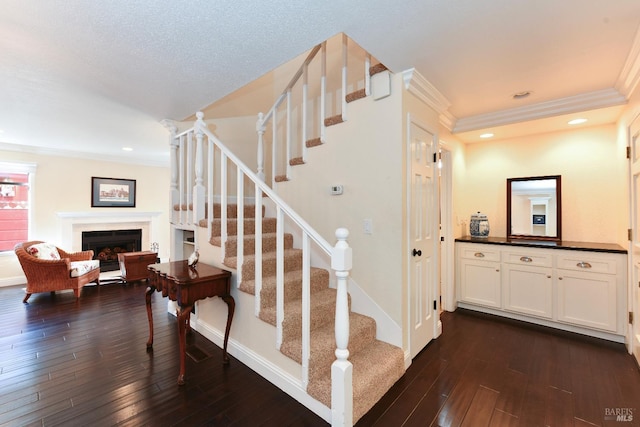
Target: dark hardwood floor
<point x="84" y="363"/>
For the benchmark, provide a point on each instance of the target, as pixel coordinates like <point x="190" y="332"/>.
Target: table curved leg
<point x="183" y="318"/>
<point x="150" y="291"/>
<point x="231" y="306"/>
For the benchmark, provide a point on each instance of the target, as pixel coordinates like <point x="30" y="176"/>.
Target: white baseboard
<point x="12" y="281"/>
<point x="266" y="369"/>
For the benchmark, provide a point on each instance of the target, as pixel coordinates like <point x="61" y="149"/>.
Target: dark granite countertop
<point x="564" y="244"/>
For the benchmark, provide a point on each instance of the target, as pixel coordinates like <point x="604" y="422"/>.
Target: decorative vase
<point x="479" y="225"/>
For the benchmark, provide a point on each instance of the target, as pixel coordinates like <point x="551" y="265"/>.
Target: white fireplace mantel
<point x="72" y="224"/>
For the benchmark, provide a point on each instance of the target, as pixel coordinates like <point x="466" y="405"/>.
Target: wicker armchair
<point x="45" y="275"/>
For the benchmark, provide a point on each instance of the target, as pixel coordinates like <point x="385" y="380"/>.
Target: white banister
<point x="279" y="276"/>
<point x="260" y="129"/>
<point x="223" y="201"/>
<point x="274" y="149"/>
<point x="174" y="195"/>
<point x="341" y="369"/>
<point x="323" y="90"/>
<point x="306" y="308"/>
<point x="181" y="180"/>
<point x="367" y="75"/>
<point x="288" y="137"/>
<point x="189" y="176"/>
<point x="258" y="250"/>
<point x="239" y="224"/>
<point x="345" y="55"/>
<point x="305" y="94"/>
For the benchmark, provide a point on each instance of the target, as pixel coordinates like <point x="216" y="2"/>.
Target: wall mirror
<point x="534" y="209"/>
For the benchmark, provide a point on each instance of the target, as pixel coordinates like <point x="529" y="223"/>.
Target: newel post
<point x="260" y="130"/>
<point x="198" y="188"/>
<point x="341" y="369"/>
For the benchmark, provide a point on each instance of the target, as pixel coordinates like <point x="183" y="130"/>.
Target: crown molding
<point x="630" y="75"/>
<point x="572" y="104"/>
<point x="417" y="85"/>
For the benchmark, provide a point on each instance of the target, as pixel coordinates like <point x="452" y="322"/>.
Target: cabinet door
<point x="587" y="299"/>
<point x="480" y="282"/>
<point x="528" y="290"/>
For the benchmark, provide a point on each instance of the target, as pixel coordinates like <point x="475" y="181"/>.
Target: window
<point x="15" y="203"/>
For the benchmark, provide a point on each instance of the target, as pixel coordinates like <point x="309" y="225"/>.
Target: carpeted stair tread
<point x="333" y="120"/>
<point x="268" y="243"/>
<point x="362" y="332"/>
<point x="281" y="178"/>
<point x="375" y="369"/>
<point x="296" y="161"/>
<point x="323" y="309"/>
<point x="313" y="142"/>
<point x="354" y="96"/>
<point x="268" y="226"/>
<point x="319" y="280"/>
<point x="375" y="69"/>
<point x="292" y="261"/>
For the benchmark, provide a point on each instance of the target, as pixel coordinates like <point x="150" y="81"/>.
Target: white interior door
<point x="423" y="236"/>
<point x="634" y="253"/>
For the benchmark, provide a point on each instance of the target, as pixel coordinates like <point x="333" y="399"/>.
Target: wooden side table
<point x="133" y="265"/>
<point x="186" y="285"/>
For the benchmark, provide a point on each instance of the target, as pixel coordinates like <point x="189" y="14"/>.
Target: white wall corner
<point x="416" y="84"/>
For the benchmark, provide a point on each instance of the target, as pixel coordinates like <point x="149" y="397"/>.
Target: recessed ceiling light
<point x="576" y="121"/>
<point x="486" y="135"/>
<point x="127" y="149"/>
<point x="521" y="95"/>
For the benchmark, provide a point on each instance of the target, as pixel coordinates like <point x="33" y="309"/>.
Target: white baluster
<point x="198" y="188"/>
<point x="260" y="128"/>
<point x="174" y="197"/>
<point x="345" y="54"/>
<point x="323" y="90"/>
<point x="341" y="369"/>
<point x="305" y="94"/>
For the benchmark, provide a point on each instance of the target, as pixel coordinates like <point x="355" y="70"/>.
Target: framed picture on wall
<point x="113" y="193"/>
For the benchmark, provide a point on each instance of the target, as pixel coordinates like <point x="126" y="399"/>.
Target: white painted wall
<point x="63" y="184"/>
<point x="591" y="161"/>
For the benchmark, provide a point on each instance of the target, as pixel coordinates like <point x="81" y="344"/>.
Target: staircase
<point x="343" y="365"/>
<point x="376" y="364"/>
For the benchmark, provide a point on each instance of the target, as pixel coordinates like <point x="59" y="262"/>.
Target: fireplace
<point x="107" y="244"/>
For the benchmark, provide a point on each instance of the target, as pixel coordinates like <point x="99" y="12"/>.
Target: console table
<point x="186" y="285"/>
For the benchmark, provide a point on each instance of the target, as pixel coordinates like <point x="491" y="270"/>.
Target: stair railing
<point x="301" y="77"/>
<point x="219" y="157"/>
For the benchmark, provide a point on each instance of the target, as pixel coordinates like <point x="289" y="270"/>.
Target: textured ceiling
<point x="96" y="76"/>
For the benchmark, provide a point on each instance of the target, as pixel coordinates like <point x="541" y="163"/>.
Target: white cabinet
<point x="576" y="290"/>
<point x="480" y="276"/>
<point x="527" y="282"/>
<point x="587" y="290"/>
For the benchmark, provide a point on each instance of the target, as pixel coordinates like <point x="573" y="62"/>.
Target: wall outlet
<point x="336" y="190"/>
<point x="368" y="226"/>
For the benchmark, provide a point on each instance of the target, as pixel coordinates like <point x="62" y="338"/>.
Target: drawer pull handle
<point x="525" y="259"/>
<point x="583" y="264"/>
<point x="478" y="255"/>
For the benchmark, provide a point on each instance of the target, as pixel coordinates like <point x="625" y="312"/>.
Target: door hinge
<point x="435" y="305"/>
<point x="435" y="157"/>
<point x="628" y="152"/>
<point x="631" y="317"/>
<point x="629" y="234"/>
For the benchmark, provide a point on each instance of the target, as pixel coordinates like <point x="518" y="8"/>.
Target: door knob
<point x="417" y="252"/>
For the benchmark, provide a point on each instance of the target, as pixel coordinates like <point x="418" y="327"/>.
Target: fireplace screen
<point x="106" y="245"/>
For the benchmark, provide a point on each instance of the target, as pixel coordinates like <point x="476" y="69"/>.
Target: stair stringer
<point x="251" y="340"/>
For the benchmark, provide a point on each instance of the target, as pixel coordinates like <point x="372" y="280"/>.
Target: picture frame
<point x="113" y="192"/>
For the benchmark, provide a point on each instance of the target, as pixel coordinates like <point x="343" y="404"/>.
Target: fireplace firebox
<point x="106" y="245"/>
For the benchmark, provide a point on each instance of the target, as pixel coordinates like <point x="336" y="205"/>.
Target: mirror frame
<point x="558" y="236"/>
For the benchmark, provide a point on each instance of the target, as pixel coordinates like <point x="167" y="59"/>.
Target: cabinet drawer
<point x="480" y="253"/>
<point x="587" y="263"/>
<point x="524" y="257"/>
